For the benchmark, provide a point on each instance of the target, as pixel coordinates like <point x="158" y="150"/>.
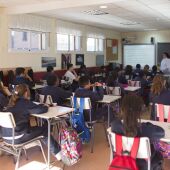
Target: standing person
<point x="131" y="126"/>
<point x="165" y="63"/>
<point x="21" y="107"/>
<point x="72" y="76"/>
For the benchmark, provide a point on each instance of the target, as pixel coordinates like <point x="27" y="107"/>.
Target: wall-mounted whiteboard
<point x="139" y="54"/>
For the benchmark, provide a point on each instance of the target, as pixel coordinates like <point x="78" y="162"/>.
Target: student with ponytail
<point x="159" y="93"/>
<point x="21" y="107"/>
<point x="130" y="125"/>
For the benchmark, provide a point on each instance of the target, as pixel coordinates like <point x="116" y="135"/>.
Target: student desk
<point x="38" y="86"/>
<point x="132" y="89"/>
<point x="108" y="99"/>
<point x="164" y="125"/>
<point x="53" y="112"/>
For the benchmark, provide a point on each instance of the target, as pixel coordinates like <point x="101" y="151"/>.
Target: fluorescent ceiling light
<point x="103" y="6"/>
<point x="150" y="29"/>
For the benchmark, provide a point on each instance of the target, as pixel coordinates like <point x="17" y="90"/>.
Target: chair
<point x="162" y="112"/>
<point x="134" y="83"/>
<point x="116" y="91"/>
<point x="144" y="151"/>
<point x="46" y="99"/>
<point x="87" y="106"/>
<point x="7" y="121"/>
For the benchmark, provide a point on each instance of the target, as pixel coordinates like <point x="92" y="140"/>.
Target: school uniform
<point x="47" y="75"/>
<point x="23" y="131"/>
<point x="149" y="130"/>
<point x="136" y="72"/>
<point x="22" y="80"/>
<point x="3" y="101"/>
<point x="162" y="98"/>
<point x="94" y="96"/>
<point x="58" y="94"/>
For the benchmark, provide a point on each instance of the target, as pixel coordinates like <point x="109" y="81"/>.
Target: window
<point x="21" y="40"/>
<point x="95" y="44"/>
<point x="67" y="42"/>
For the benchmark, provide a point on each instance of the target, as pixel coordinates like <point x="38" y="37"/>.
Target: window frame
<point x="47" y="43"/>
<point x="69" y="49"/>
<point x="96" y="45"/>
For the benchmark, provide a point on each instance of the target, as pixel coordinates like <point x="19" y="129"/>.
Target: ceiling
<point x="123" y="15"/>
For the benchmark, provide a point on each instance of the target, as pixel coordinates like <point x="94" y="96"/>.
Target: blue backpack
<point x="78" y="122"/>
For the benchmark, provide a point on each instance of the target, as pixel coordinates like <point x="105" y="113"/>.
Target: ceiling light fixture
<point x="150" y="29"/>
<point x="129" y="23"/>
<point x="103" y="6"/>
<point x="95" y="12"/>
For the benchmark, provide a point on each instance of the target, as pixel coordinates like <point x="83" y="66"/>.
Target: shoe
<point x="58" y="156"/>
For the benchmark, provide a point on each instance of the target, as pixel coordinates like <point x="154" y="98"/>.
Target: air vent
<point x="129" y="23"/>
<point x="95" y="12"/>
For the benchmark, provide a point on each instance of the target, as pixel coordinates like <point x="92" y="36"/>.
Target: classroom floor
<point x="99" y="160"/>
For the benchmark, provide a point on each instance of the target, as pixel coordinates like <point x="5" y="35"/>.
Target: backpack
<point x="124" y="160"/>
<point x="78" y="122"/>
<point x="71" y="146"/>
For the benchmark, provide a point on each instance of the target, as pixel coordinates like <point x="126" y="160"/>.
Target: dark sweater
<point x="21" y="112"/>
<point x="58" y="94"/>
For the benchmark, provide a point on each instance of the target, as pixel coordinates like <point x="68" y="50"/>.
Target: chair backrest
<point x="87" y="103"/>
<point x="116" y="91"/>
<point x="7" y="120"/>
<point x="162" y="112"/>
<point x="47" y="99"/>
<point x="134" y="83"/>
<point x="144" y="151"/>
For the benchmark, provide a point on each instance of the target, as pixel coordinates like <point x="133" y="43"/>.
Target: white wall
<point x="145" y="37"/>
<point x="15" y="59"/>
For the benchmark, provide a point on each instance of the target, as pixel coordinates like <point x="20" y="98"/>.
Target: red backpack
<point x="124" y="160"/>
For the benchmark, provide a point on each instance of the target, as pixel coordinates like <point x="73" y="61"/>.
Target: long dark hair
<point x="20" y="90"/>
<point x="131" y="114"/>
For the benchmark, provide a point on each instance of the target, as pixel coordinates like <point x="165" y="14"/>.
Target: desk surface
<point x="55" y="111"/>
<point x="131" y="88"/>
<point x="164" y="125"/>
<point x="109" y="99"/>
<point x="38" y="86"/>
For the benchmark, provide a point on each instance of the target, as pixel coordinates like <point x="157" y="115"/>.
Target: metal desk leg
<point x="48" y="160"/>
<point x="108" y="115"/>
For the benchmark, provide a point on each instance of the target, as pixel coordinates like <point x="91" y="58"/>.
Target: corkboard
<point x="111" y="49"/>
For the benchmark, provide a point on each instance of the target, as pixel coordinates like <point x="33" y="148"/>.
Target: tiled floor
<point x="99" y="160"/>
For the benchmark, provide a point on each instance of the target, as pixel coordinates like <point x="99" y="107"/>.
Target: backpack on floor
<point x="124" y="160"/>
<point x="71" y="146"/>
<point x="78" y="122"/>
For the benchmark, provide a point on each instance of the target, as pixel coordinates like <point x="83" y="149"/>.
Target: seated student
<point x="112" y="81"/>
<point x="83" y="70"/>
<point x="50" y="70"/>
<point x="128" y="72"/>
<point x="84" y="91"/>
<point x="154" y="71"/>
<point x="131" y="126"/>
<point x="146" y="71"/>
<point x="137" y="70"/>
<point x="159" y="93"/>
<point x="58" y="94"/>
<point x="72" y="77"/>
<point x="23" y="78"/>
<point x="21" y="108"/>
<point x="4" y="94"/>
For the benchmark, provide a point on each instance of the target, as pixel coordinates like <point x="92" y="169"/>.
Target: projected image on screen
<point x="139" y="54"/>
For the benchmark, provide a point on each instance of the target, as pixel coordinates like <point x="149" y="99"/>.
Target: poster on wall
<point x="48" y="61"/>
<point x="99" y="60"/>
<point x="65" y="60"/>
<point x="79" y="59"/>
